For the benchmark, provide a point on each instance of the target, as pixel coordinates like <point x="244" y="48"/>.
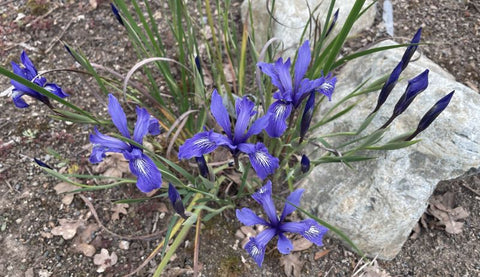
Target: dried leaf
<point x="292" y="265"/>
<point x="416" y="231"/>
<point x="301" y="244"/>
<point x="373" y="270"/>
<point x="86" y="234"/>
<point x="119" y="209"/>
<point x="64" y="187"/>
<point x="67" y="229"/>
<point x="441" y="207"/>
<point x="93" y="3"/>
<point x="114" y="165"/>
<point x="87" y="249"/>
<point x="320" y="254"/>
<point x="104" y="260"/>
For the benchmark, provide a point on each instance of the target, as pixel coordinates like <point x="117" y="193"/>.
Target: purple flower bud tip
<point x="411" y="49"/>
<point x="307" y="116"/>
<point x="414" y="88"/>
<point x="42" y="164"/>
<point x="432" y="114"/>
<point x="202" y="166"/>
<point x="334" y="21"/>
<point x="176" y="201"/>
<point x="117" y="14"/>
<point x="305" y="163"/>
<point x="388" y="86"/>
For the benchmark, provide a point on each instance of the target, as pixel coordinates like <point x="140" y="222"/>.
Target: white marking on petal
<point x="262" y="159"/>
<point x="141" y="165"/>
<point x="280" y="110"/>
<point x="312" y="231"/>
<point x="255" y="251"/>
<point x="203" y="143"/>
<point x="326" y="86"/>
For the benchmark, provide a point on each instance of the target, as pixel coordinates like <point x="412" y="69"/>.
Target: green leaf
<point x="393" y="145"/>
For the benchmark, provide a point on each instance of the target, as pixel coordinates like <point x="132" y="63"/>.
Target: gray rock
<point x="378" y="202"/>
<point x="291" y="16"/>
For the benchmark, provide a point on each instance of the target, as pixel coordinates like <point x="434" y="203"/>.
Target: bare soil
<point x="30" y="208"/>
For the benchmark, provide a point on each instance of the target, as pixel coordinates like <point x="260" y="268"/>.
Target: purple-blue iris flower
<point x="148" y="175"/>
<point x="205" y="142"/>
<point x="29" y="72"/>
<point x="290" y="96"/>
<point x="308" y="228"/>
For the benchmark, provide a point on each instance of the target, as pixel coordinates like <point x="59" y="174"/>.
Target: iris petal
<point x="271" y="71"/>
<point x="284" y="245"/>
<point x="308" y="228"/>
<point x="283" y="70"/>
<point x="114" y="144"/>
<point x="264" y="197"/>
<point x="153" y="126"/>
<point x="293" y="198"/>
<point x="201" y="144"/>
<point x="279" y="111"/>
<point x="220" y="113"/>
<point x="118" y="115"/>
<point x="262" y="162"/>
<point x="244" y="108"/>
<point x="30" y="69"/>
<point x="255" y="251"/>
<point x="18" y="100"/>
<point x="55" y="89"/>
<point x="141" y="126"/>
<point x="258" y="126"/>
<point x="149" y="177"/>
<point x="249" y="218"/>
<point x="301" y="65"/>
<point x="265" y="236"/>
<point x="98" y="154"/>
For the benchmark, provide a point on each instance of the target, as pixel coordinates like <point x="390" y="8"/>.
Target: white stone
<point x="291" y="17"/>
<point x="378" y="202"/>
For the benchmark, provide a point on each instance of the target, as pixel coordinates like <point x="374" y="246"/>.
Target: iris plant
<point x="290" y="96"/>
<point x="29" y="72"/>
<point x="236" y="141"/>
<point x="149" y="177"/>
<point x="276" y="226"/>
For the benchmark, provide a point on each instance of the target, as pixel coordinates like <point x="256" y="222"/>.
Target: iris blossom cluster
<point x="289" y="96"/>
<point x="205" y="142"/>
<point x="29" y="72"/>
<point x="308" y="228"/>
<point x="149" y="177"/>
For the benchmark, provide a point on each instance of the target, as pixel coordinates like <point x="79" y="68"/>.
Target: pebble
<point x="124" y="245"/>
<point x="18" y="221"/>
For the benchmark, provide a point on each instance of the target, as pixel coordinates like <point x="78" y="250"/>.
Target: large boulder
<point x="378" y="202"/>
<point x="291" y="17"/>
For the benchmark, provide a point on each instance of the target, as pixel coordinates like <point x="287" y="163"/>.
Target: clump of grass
<point x="37" y="7"/>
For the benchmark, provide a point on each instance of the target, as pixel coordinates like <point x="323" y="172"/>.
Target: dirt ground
<point x="31" y="211"/>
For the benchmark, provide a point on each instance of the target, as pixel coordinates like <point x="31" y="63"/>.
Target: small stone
<point x="124" y="245"/>
<point x="18" y="221"/>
